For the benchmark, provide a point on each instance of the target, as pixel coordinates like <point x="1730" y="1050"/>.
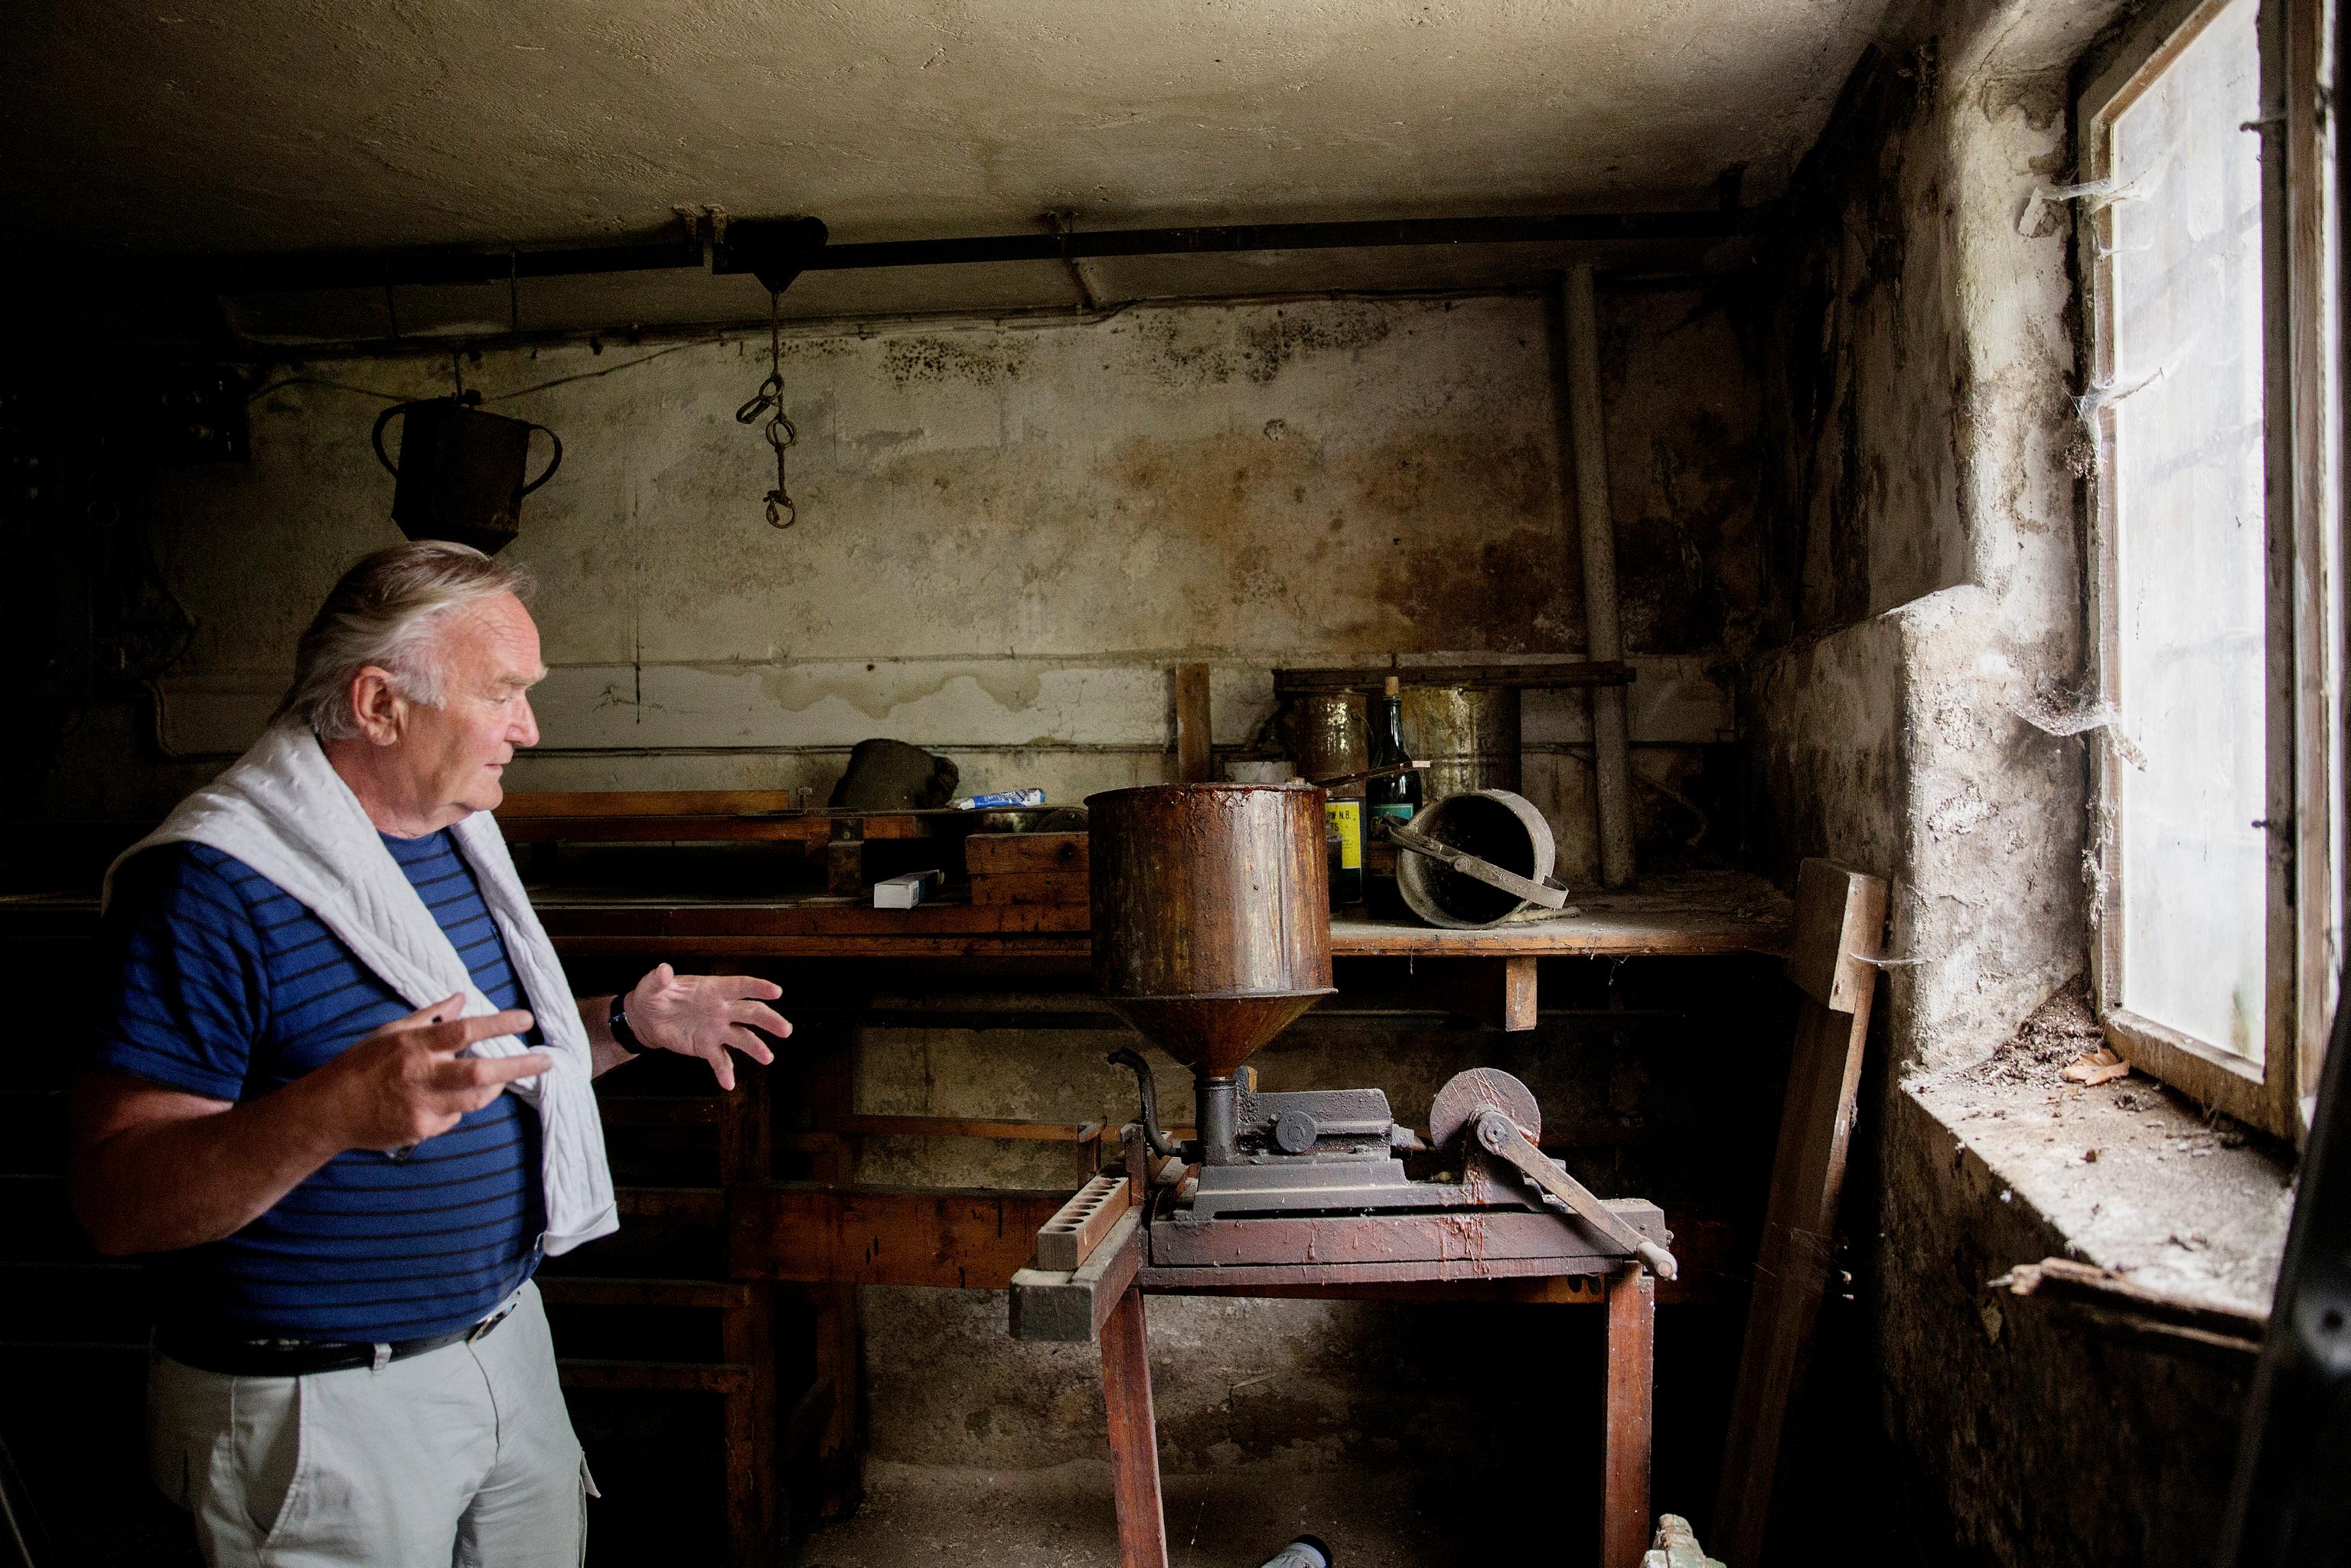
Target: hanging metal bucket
<point x="460" y="474"/>
<point x="1494" y="825"/>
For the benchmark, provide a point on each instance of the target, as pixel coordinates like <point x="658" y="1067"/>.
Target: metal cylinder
<point x="1215" y="1102"/>
<point x="1494" y="825"/>
<point x="1327" y="734"/>
<point x="1469" y="734"/>
<point x="1211" y="926"/>
<point x="1306" y="1552"/>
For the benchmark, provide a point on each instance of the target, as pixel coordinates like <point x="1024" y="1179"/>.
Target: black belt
<point x="299" y="1357"/>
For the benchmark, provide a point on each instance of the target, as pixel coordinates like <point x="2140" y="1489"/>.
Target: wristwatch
<point x="621" y="1033"/>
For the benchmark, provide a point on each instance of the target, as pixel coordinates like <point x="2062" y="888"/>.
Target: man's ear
<point x="377" y="705"/>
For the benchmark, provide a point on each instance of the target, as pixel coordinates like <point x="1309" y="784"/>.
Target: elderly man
<point x="342" y="1091"/>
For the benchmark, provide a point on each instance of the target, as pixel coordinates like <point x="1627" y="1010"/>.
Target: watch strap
<point x="621" y="1032"/>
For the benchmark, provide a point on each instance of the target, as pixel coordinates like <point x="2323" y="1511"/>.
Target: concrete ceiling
<point x="268" y="125"/>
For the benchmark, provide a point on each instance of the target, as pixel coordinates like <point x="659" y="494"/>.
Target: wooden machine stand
<point x="1102" y="1301"/>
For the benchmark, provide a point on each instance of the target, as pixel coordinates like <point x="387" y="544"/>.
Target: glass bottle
<point x="1395" y="797"/>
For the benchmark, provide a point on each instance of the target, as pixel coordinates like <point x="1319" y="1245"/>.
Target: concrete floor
<point x="1226" y="1519"/>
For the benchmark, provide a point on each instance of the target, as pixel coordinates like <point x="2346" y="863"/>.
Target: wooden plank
<point x="1032" y="1131"/>
<point x="677" y="1204"/>
<point x="656" y="1376"/>
<point x="1793" y="1260"/>
<point x="840" y="1361"/>
<point x="2132" y="1311"/>
<point x="1032" y="887"/>
<point x="1496" y="991"/>
<point x="1625" y="1444"/>
<point x="1072" y="951"/>
<point x="2319" y="707"/>
<point x="1840" y="920"/>
<point x="956" y="1239"/>
<point x="664" y="830"/>
<point x="1134" y="1436"/>
<point x="844" y="867"/>
<point x="1692" y="913"/>
<point x="1005" y="854"/>
<point x="1070" y="1306"/>
<point x="592" y="1291"/>
<point x="1364" y="1284"/>
<point x="1597" y="533"/>
<point x="746" y="1126"/>
<point x="648" y="803"/>
<point x="1065" y="1241"/>
<point x="1369" y="1281"/>
<point x="1192" y="724"/>
<point x="831" y="917"/>
<point x="746" y="1338"/>
<point x="660" y="1111"/>
<point x="1465" y="1245"/>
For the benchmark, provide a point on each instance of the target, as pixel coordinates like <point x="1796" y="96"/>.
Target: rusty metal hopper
<point x="1213" y="1035"/>
<point x="1211" y="923"/>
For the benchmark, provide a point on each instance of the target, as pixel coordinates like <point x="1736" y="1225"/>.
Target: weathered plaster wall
<point x="1921" y="532"/>
<point x="1008" y="536"/>
<point x="1921" y="535"/>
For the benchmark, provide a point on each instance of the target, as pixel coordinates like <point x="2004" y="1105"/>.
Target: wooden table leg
<point x="1625" y="1454"/>
<point x="1135" y="1436"/>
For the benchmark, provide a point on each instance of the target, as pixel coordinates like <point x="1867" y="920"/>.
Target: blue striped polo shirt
<point x="228" y="988"/>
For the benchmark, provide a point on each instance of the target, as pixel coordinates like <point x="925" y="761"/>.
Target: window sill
<point x="2165" y="1202"/>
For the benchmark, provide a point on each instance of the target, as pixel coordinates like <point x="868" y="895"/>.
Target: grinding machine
<point x="1210" y="935"/>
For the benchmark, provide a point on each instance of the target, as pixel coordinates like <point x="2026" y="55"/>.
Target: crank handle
<point x="1502" y="1137"/>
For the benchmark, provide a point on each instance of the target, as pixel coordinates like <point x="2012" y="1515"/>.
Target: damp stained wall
<point x="1921" y="524"/>
<point x="1010" y="535"/>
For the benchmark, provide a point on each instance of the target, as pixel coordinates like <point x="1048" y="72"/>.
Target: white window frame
<point x="2302" y="718"/>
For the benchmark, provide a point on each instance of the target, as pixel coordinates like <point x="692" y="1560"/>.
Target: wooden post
<point x="1134" y="1436"/>
<point x="1603" y="639"/>
<point x="746" y="1333"/>
<point x="1840" y="920"/>
<point x="1192" y="724"/>
<point x="839" y="1350"/>
<point x="1624" y="1455"/>
<point x="1496" y="991"/>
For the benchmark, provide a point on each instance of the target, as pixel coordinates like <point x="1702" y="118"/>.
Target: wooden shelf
<point x="1697" y="913"/>
<point x="1692" y="913"/>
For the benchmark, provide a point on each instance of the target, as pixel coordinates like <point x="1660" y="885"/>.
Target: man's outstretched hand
<point x="707" y="1016"/>
<point x="405" y="1082"/>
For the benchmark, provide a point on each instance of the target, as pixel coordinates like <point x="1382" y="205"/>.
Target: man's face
<point x="454" y="757"/>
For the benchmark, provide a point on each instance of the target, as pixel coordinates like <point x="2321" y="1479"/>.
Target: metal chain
<point x="769" y="400"/>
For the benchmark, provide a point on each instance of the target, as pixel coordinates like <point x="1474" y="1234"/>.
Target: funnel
<point x="1211" y="923"/>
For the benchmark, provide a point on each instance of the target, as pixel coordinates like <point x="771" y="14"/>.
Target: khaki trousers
<point x="463" y="1456"/>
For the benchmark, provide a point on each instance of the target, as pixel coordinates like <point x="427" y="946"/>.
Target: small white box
<point x="907" y="890"/>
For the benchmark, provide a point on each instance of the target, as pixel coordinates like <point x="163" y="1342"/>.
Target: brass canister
<point x="1468" y="733"/>
<point x="1327" y="734"/>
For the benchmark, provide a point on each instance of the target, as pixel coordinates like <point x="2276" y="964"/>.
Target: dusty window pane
<point x="2189" y="548"/>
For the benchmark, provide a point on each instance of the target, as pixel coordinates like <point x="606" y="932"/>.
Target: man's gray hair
<point x="382" y="613"/>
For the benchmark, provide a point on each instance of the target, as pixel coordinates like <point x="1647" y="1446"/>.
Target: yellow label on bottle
<point x="1347" y="816"/>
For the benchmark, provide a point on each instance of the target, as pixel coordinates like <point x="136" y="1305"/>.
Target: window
<point x="2213" y="561"/>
